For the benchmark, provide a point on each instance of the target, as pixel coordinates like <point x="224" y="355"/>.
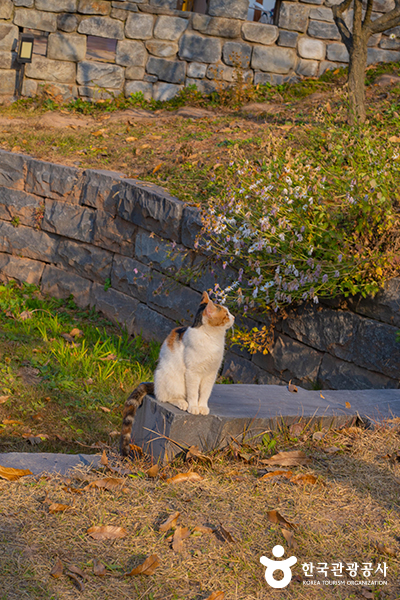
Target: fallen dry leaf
<point x="106" y="532"/>
<point x="98" y="568"/>
<point x="202" y="529"/>
<point x="77" y="571"/>
<point x="11" y="422"/>
<point x="383" y="549"/>
<point x="287" y="459"/>
<point x="147" y="568"/>
<point x="71" y="490"/>
<point x="105" y="409"/>
<point x="367" y="593"/>
<point x="153" y="471"/>
<point x="296" y="429"/>
<point x="26" y="314"/>
<point x="286" y="474"/>
<point x="13" y="474"/>
<point x="216" y="596"/>
<point x="76" y="332"/>
<point x="225" y="534"/>
<point x="57" y="570"/>
<point x="4" y="399"/>
<point x="394" y="138"/>
<point x="292" y="387"/>
<point x="331" y="449"/>
<point x="275" y="517"/>
<point x="104" y="459"/>
<point x="67" y="337"/>
<point x="131" y="138"/>
<point x="194" y="452"/>
<point x="170" y="522"/>
<point x="56" y="508"/>
<point x="348" y="405"/>
<point x="317" y="436"/>
<point x="135" y="448"/>
<point x="109" y="357"/>
<point x="157" y="168"/>
<point x="189" y="476"/>
<point x="107" y="483"/>
<point x="181" y="533"/>
<point x="288" y="535"/>
<point x="303" y="479"/>
<point x="322" y="396"/>
<point x="77" y="582"/>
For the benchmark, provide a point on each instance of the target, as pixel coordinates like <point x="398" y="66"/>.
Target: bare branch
<point x="387" y="21"/>
<point x="367" y="18"/>
<point x="338" y="10"/>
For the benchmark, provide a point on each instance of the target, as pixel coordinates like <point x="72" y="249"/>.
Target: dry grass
<point x="353" y="506"/>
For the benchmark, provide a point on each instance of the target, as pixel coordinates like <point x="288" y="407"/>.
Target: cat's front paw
<point x="204" y="410"/>
<point x="193" y="410"/>
<point x="182" y="404"/>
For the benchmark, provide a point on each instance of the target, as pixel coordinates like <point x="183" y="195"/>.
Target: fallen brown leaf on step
<point x="287" y="459"/>
<point x="348" y="405"/>
<point x="147" y="568"/>
<point x="289" y="537"/>
<point x="202" y="529"/>
<point x="170" y="522"/>
<point x="303" y="479"/>
<point x="56" y="508"/>
<point x="57" y="570"/>
<point x="4" y="399"/>
<point x="106" y="532"/>
<point x="13" y="474"/>
<point x="104" y="459"/>
<point x="322" y="396"/>
<point x="292" y="387"/>
<point x="153" y="471"/>
<point x="107" y="483"/>
<point x="181" y="533"/>
<point x="216" y="596"/>
<point x="77" y="582"/>
<point x="189" y="476"/>
<point x="383" y="549"/>
<point x="276" y="517"/>
<point x="331" y="449"/>
<point x="286" y="474"/>
<point x="98" y="568"/>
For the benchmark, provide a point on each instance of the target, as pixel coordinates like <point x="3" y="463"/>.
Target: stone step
<point x="246" y="411"/>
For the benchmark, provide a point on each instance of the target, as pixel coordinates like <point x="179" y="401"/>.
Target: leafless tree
<point x="356" y="41"/>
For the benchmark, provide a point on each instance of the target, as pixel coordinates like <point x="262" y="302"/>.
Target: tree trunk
<point x="356" y="81"/>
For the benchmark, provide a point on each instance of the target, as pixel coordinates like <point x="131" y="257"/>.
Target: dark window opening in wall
<point x="39" y="42"/>
<point x="102" y="49"/>
<point x="198" y="6"/>
<point x="264" y="11"/>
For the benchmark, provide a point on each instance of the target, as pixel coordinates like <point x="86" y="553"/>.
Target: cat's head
<point x="213" y="315"/>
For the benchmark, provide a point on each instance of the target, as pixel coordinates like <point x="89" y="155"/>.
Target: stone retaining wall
<point x="159" y="49"/>
<point x="110" y="242"/>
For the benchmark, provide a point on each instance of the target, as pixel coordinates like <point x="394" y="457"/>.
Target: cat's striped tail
<point x="131" y="405"/>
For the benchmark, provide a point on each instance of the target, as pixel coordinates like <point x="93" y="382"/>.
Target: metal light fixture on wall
<point x="25" y="52"/>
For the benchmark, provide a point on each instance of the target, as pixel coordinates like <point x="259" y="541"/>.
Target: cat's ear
<point x="205" y="299"/>
<point x="210" y="308"/>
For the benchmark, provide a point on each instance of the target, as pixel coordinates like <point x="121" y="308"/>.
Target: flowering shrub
<point x="296" y="231"/>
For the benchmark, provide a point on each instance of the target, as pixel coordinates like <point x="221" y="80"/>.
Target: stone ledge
<point x="253" y="409"/>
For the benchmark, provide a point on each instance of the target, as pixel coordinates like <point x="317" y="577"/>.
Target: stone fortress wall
<point x="156" y="49"/>
<point x="108" y="240"/>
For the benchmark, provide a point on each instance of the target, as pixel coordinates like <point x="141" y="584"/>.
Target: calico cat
<point x="188" y="365"/>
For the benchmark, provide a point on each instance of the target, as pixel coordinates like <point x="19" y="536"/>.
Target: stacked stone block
<point x="112" y="243"/>
<point x="159" y="49"/>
